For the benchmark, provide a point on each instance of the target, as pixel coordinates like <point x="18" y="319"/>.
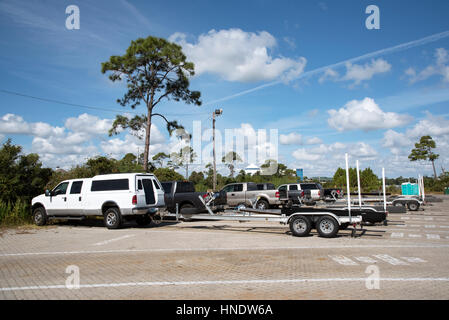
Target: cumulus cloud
<point x="357" y="73"/>
<point x="336" y="151"/>
<point x="439" y="67"/>
<point x="236" y="55"/>
<point x="15" y="124"/>
<point x="364" y="115"/>
<point x="291" y="138"/>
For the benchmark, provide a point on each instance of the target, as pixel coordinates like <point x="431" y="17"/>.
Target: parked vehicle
<point x="113" y="196"/>
<point x="242" y="195"/>
<point x="333" y="193"/>
<point x="293" y="193"/>
<point x="312" y="191"/>
<point x="182" y="193"/>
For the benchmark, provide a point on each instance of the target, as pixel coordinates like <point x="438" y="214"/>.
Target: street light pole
<point x="217" y="112"/>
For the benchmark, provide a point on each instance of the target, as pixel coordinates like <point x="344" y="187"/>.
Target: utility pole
<point x="217" y="112"/>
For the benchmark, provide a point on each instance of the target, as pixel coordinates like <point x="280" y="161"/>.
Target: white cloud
<point x="291" y="138"/>
<point x="432" y="125"/>
<point x="236" y="55"/>
<point x="303" y="154"/>
<point x="329" y="74"/>
<point x="359" y="73"/>
<point x="314" y="140"/>
<point x="356" y="72"/>
<point x="364" y="115"/>
<point x="15" y="124"/>
<point x="89" y="124"/>
<point x="439" y="67"/>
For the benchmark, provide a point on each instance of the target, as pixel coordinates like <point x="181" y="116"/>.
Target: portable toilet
<point x="410" y="189"/>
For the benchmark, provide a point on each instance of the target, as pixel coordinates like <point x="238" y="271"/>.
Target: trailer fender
<point x="315" y="214"/>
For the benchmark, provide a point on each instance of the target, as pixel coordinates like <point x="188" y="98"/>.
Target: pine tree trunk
<point x="434" y="171"/>
<point x="147" y="142"/>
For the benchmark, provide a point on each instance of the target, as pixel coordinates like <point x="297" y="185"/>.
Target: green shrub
<point x="16" y="214"/>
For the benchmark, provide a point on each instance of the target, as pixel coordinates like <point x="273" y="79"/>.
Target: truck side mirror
<point x="48" y="193"/>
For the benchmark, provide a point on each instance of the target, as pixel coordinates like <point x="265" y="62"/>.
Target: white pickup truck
<point x="113" y="196"/>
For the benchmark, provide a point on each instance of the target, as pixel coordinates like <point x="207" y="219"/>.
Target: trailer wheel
<point x="327" y="227"/>
<point x="413" y="206"/>
<point x="300" y="226"/>
<point x="398" y="204"/>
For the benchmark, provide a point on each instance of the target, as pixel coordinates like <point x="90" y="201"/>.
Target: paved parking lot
<point x="228" y="260"/>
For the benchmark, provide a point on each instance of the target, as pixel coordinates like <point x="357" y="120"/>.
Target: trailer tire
<point x="327" y="227"/>
<point x="398" y="204"/>
<point x="413" y="206"/>
<point x="300" y="226"/>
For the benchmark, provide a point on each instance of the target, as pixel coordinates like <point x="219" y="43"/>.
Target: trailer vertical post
<point x="383" y="189"/>
<point x="347" y="187"/>
<point x="358" y="185"/>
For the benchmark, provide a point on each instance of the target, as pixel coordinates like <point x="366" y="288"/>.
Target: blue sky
<point x="267" y="64"/>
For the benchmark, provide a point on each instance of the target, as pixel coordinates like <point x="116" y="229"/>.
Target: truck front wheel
<point x="262" y="205"/>
<point x="112" y="218"/>
<point x="39" y="216"/>
<point x="413" y="206"/>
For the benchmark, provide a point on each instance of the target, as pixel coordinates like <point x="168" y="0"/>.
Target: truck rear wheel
<point x="300" y="226"/>
<point x="112" y="218"/>
<point x="327" y="227"/>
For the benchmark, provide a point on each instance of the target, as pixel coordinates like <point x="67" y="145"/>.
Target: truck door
<point x="75" y="201"/>
<point x="236" y="195"/>
<point x="145" y="192"/>
<point x="58" y="201"/>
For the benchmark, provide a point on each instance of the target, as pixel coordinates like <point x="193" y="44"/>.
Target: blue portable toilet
<point x="410" y="189"/>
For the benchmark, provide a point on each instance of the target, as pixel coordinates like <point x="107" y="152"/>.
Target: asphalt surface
<point x="408" y="259"/>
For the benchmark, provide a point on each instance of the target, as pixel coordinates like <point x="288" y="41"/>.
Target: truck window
<point x="166" y="186"/>
<point x="229" y="188"/>
<point x="259" y="186"/>
<point x="139" y="185"/>
<point x="110" y="185"/>
<point x="308" y="186"/>
<point x="293" y="187"/>
<point x="61" y="189"/>
<point x="238" y="187"/>
<point x="156" y="185"/>
<point x="270" y="186"/>
<point x="184" y="187"/>
<point x="76" y="187"/>
<point x="251" y="187"/>
<point x="282" y="188"/>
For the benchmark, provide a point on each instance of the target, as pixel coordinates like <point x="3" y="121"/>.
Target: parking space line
<point x="113" y="240"/>
<point x="220" y="282"/>
<point x="366" y="246"/>
<point x="413" y="259"/>
<point x="397" y="235"/>
<point x="415" y="236"/>
<point x="433" y="236"/>
<point x="390" y="259"/>
<point x="343" y="260"/>
<point x="365" y="259"/>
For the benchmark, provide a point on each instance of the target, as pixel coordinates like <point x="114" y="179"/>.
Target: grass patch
<point x="15" y="214"/>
